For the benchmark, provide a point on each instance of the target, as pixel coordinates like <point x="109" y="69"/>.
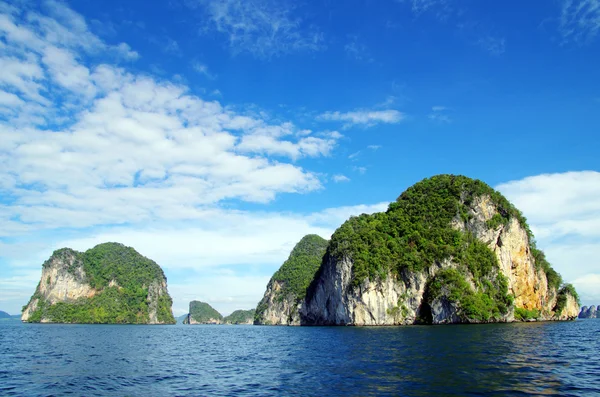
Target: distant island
<point x="6" y="316"/>
<point x="450" y="249"/>
<point x="108" y="284"/>
<point x="589" y="312"/>
<point x="203" y="313"/>
<point x="239" y="317"/>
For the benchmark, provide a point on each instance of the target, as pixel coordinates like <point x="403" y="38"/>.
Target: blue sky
<point x="212" y="135"/>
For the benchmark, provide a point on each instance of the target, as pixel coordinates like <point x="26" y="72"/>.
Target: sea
<point x="524" y="359"/>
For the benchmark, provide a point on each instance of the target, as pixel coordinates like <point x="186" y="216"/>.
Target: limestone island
<point x="450" y="249"/>
<point x="589" y="312"/>
<point x="202" y="313"/>
<point x="108" y="284"/>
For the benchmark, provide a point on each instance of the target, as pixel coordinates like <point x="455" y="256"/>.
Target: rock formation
<point x="240" y="317"/>
<point x="202" y="313"/>
<point x="110" y="283"/>
<point x="286" y="290"/>
<point x="449" y="250"/>
<point x="589" y="312"/>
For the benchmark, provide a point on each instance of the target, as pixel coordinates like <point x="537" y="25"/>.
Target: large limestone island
<point x="202" y="313"/>
<point x="110" y="283"/>
<point x="450" y="249"/>
<point x="287" y="288"/>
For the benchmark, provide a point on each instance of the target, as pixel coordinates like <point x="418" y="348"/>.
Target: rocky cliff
<point x="110" y="283"/>
<point x="286" y="290"/>
<point x="589" y="312"/>
<point x="449" y="250"/>
<point x="202" y="313"/>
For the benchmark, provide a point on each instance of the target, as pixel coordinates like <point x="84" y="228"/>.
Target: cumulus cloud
<point x="563" y="210"/>
<point x="365" y="118"/>
<point x="264" y="28"/>
<point x="86" y="144"/>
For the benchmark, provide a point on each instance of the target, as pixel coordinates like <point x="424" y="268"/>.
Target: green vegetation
<point x="489" y="302"/>
<point x="240" y="317"/>
<point x="203" y="312"/>
<point x="561" y="299"/>
<point x="522" y="314"/>
<point x="296" y="273"/>
<point x="127" y="302"/>
<point x="416" y="232"/>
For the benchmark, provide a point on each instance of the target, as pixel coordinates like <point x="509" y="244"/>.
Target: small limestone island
<point x="108" y="284"/>
<point x="203" y="313"/>
<point x="589" y="312"/>
<point x="450" y="249"/>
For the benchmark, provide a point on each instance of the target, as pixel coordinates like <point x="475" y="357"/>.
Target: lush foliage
<point x="203" y="312"/>
<point x="522" y="314"/>
<point x="125" y="302"/>
<point x="561" y="299"/>
<point x="239" y="317"/>
<point x="416" y="232"/>
<point x="298" y="270"/>
<point x="488" y="302"/>
<point x="296" y="273"/>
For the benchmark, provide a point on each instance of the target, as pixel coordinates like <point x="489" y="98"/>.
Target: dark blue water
<point x="501" y="359"/>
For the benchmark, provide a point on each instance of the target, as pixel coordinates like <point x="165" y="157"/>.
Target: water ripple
<point x="492" y="360"/>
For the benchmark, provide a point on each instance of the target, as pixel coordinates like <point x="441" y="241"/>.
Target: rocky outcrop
<point x="589" y="312"/>
<point x="278" y="307"/>
<point x="286" y="290"/>
<point x="429" y="295"/>
<point x="67" y="293"/>
<point x="202" y="313"/>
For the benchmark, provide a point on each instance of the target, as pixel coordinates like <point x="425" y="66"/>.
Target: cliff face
<point x="278" y="307"/>
<point x="67" y="293"/>
<point x="454" y="289"/>
<point x="286" y="290"/>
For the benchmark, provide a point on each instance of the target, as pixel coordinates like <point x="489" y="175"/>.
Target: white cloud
<point x="374" y="147"/>
<point x="264" y="28"/>
<point x="340" y="178"/>
<point x="128" y="148"/>
<point x="202" y="69"/>
<point x="365" y="118"/>
<point x="587" y="288"/>
<point x="360" y="170"/>
<point x="563" y="211"/>
<point x="227" y="256"/>
<point x="580" y="20"/>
